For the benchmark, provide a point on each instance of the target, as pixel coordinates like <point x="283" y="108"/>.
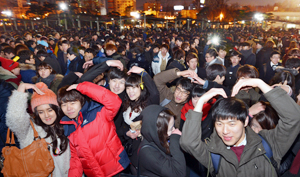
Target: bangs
<point x="44" y="65"/>
<point x="64" y="96"/>
<point x="229" y="108"/>
<point x="133" y="80"/>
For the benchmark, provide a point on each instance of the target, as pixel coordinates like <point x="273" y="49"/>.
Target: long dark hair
<point x="134" y="80"/>
<point x="54" y="131"/>
<point x="162" y="127"/>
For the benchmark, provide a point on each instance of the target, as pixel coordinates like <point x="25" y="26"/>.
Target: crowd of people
<point x="155" y="102"/>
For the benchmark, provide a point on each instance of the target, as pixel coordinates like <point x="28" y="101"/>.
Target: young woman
<point x="141" y="91"/>
<point x="46" y="121"/>
<point x="160" y="153"/>
<point x="47" y="75"/>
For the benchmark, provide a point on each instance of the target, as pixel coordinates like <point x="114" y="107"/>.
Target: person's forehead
<point x="180" y="87"/>
<point x="228" y="120"/>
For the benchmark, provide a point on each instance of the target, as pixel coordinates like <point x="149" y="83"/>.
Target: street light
<point x="221" y="16"/>
<point x="259" y="17"/>
<point x="63" y="6"/>
<point x="135" y="14"/>
<point x="7" y="13"/>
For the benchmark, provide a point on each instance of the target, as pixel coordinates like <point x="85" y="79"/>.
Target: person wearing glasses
<point x="174" y="100"/>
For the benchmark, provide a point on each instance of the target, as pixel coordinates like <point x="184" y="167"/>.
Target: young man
<point x="178" y="41"/>
<point x="240" y="148"/>
<point x="9" y="53"/>
<point x="211" y="57"/>
<point x="160" y="61"/>
<point x="85" y="43"/>
<point x="62" y="55"/>
<point x="174" y="100"/>
<point x="230" y="77"/>
<point x="222" y="54"/>
<point x="95" y="151"/>
<point x="267" y="71"/>
<point x="193" y="62"/>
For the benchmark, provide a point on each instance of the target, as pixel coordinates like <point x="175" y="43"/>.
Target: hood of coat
<point x="26" y="66"/>
<point x="149" y="128"/>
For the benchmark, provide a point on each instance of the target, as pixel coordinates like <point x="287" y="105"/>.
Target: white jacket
<point x="18" y="120"/>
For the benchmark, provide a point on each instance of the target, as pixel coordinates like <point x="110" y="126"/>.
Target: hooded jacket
<point x="95" y="147"/>
<point x="155" y="161"/>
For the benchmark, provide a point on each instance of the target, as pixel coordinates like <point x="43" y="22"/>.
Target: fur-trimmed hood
<point x="26" y="66"/>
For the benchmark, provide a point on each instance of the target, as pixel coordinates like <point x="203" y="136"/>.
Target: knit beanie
<point x="8" y="64"/>
<point x="49" y="96"/>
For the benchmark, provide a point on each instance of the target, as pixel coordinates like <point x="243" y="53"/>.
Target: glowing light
<point x="63" y="6"/>
<point x="7" y="13"/>
<point x="179" y="7"/>
<point x="135" y="14"/>
<point x="259" y="17"/>
<point x="215" y="40"/>
<point x="221" y="16"/>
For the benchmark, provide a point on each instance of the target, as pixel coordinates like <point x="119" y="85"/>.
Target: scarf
<point x="247" y="53"/>
<point x="48" y="80"/>
<point x="129" y="115"/>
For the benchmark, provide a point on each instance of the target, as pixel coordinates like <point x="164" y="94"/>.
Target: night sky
<point x="139" y="3"/>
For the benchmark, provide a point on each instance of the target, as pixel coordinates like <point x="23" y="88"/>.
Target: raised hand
<point x="115" y="63"/>
<point x="25" y="86"/>
<point x="136" y="70"/>
<point x="79" y="74"/>
<point x="176" y="132"/>
<point x="187" y="73"/>
<point x="74" y="86"/>
<point x="88" y="64"/>
<point x="253" y="82"/>
<point x="256" y="108"/>
<point x="207" y="96"/>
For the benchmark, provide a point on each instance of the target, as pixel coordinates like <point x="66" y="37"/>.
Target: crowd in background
<point x="109" y="93"/>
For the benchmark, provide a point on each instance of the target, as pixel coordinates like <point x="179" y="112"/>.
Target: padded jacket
<point x="95" y="147"/>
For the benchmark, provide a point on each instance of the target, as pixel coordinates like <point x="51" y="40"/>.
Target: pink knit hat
<point x="49" y="96"/>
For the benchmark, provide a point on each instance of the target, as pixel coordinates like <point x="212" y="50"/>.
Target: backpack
<point x="268" y="155"/>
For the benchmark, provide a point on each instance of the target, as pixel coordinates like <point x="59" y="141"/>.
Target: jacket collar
<point x="252" y="149"/>
<point x="87" y="107"/>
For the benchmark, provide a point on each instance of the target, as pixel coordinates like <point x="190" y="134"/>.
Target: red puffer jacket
<point x="95" y="147"/>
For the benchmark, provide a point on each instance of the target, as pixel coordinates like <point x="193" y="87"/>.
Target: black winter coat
<point x="154" y="161"/>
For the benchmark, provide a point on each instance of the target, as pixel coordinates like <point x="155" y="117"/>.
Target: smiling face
<point x="117" y="86"/>
<point x="133" y="93"/>
<point x="46" y="114"/>
<point x="71" y="109"/>
<point x="180" y="94"/>
<point x="231" y="130"/>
